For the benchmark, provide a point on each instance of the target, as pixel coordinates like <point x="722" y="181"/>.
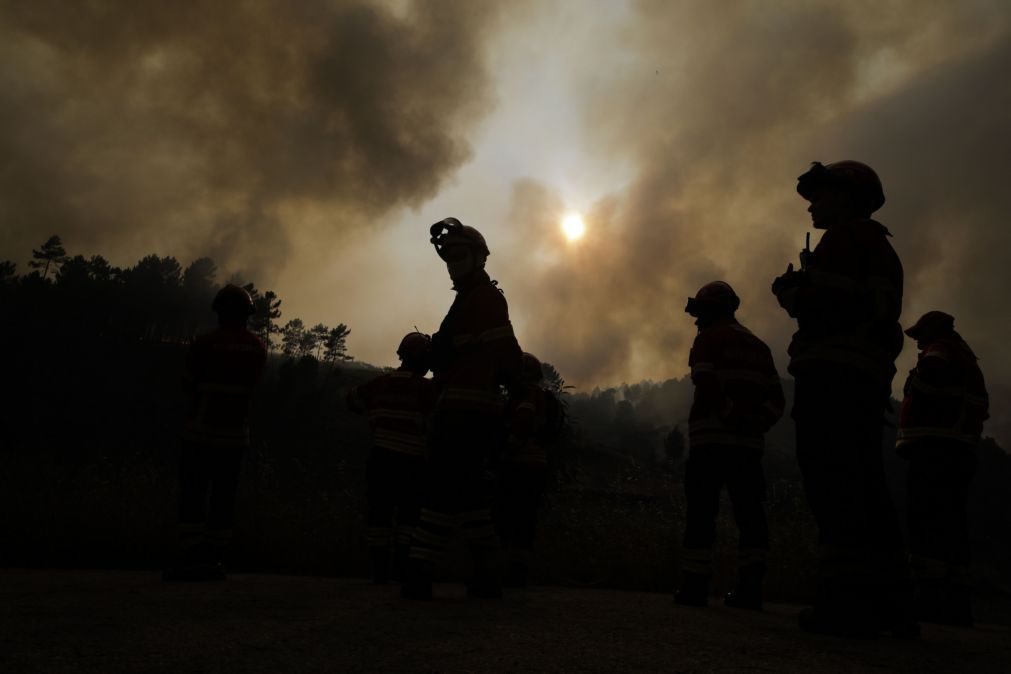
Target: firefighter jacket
<point x="222" y="368"/>
<point x="945" y="396"/>
<point x="848" y="303"/>
<point x="398" y="405"/>
<point x="475" y="351"/>
<point x="534" y="416"/>
<point x="738" y="395"/>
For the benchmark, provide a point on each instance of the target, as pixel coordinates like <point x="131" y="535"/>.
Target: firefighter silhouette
<point x="398" y="405"/>
<point x="944" y="406"/>
<point x="846" y="299"/>
<point x="738" y="397"/>
<point x="222" y="369"/>
<point x="474" y="353"/>
<point x="534" y="418"/>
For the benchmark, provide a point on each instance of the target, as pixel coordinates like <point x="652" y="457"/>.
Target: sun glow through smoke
<point x="573" y="226"/>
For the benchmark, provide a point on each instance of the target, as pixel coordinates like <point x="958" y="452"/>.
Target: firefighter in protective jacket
<point x="398" y="405"/>
<point x="738" y="397"/>
<point x="846" y="299"/>
<point x="534" y="417"/>
<point x="474" y="354"/>
<point x="940" y="422"/>
<point x="222" y="368"/>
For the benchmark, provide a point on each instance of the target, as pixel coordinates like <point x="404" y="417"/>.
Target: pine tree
<point x="51" y="253"/>
<point x="336" y="344"/>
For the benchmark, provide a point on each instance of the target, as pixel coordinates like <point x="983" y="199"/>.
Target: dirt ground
<point x="93" y="621"/>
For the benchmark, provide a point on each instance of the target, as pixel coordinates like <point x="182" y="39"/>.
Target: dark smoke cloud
<point x="228" y="128"/>
<point x="719" y="107"/>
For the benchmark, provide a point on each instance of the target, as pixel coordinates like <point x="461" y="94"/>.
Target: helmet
<point x="451" y="232"/>
<point x="932" y="323"/>
<point x="233" y="300"/>
<point x="716" y="296"/>
<point x="414" y="345"/>
<point x="531" y="369"/>
<point x="855" y="178"/>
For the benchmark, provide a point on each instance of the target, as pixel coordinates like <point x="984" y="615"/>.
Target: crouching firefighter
<point x="940" y="423"/>
<point x="738" y="397"/>
<point x="474" y="354"/>
<point x="222" y="369"/>
<point x="535" y="417"/>
<point x="398" y="405"/>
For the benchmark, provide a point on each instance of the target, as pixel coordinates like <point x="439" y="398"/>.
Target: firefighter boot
<point x="748" y="593"/>
<point x="487" y="581"/>
<point x="379" y="564"/>
<point x="417" y="582"/>
<point x="694" y="589"/>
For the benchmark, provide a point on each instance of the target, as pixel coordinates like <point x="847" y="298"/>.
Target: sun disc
<point x="573" y="226"/>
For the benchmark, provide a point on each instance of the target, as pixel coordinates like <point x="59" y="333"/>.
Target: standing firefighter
<point x="738" y="397"/>
<point x="940" y="423"/>
<point x="474" y="353"/>
<point x="534" y="417"/>
<point x="222" y="368"/>
<point x="398" y="405"/>
<point x="847" y="299"/>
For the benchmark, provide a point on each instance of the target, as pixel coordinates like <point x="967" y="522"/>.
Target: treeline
<point x="157" y="299"/>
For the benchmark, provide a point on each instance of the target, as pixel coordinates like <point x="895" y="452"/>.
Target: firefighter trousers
<point x="394" y="487"/>
<point x="520" y="492"/>
<point x="709" y="468"/>
<point x="208" y="482"/>
<point x="940" y="472"/>
<point x="839" y="416"/>
<point x="458" y="486"/>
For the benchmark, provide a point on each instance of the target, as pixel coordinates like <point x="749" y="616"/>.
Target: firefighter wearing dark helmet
<point x="738" y="397"/>
<point x="398" y="405"/>
<point x="846" y="299"/>
<point x="534" y="417"/>
<point x="474" y="353"/>
<point x="944" y="405"/>
<point x="222" y="368"/>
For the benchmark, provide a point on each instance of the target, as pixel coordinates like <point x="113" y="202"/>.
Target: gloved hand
<point x="785" y="289"/>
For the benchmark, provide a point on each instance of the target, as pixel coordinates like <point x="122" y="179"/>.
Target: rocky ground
<point x="94" y="621"/>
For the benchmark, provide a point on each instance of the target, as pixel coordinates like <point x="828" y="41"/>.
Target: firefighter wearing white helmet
<point x="474" y="353"/>
<point x="738" y="397"/>
<point x="222" y="369"/>
<point x="398" y="405"/>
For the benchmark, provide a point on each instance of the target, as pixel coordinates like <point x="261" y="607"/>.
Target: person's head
<point x="233" y="305"/>
<point x="714" y="303"/>
<point x="840" y="192"/>
<point x="932" y="325"/>
<point x="415" y="352"/>
<point x="461" y="247"/>
<point x="531" y="370"/>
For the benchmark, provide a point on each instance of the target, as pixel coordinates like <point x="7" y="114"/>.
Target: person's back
<point x="738" y="397"/>
<point x="223" y="367"/>
<point x="749" y="397"/>
<point x="398" y="405"/>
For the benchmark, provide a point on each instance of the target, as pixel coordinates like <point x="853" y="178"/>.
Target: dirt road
<point x="86" y="621"/>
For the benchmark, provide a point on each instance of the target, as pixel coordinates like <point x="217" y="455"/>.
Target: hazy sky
<point x="308" y="146"/>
